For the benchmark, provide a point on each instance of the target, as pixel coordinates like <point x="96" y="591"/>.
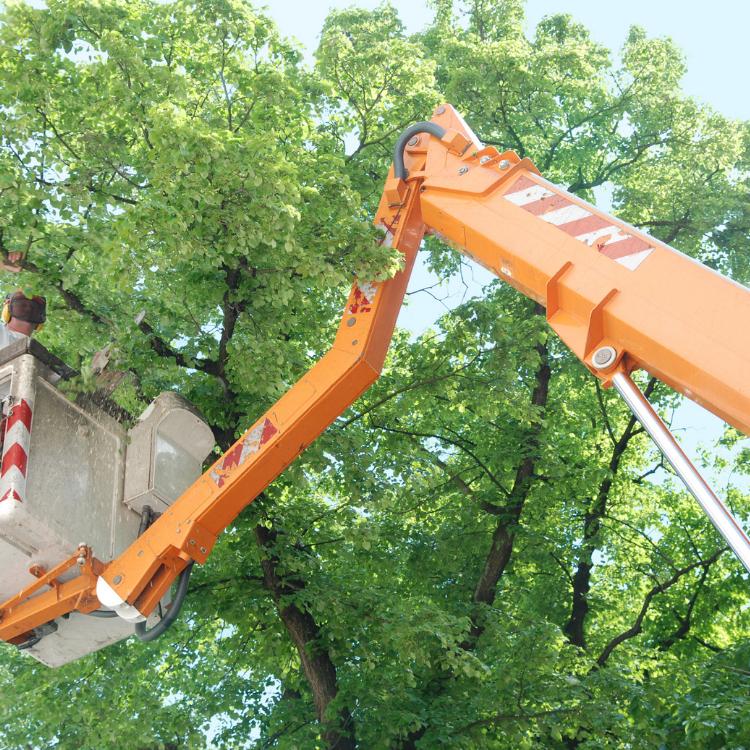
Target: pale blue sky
<point x="713" y="36"/>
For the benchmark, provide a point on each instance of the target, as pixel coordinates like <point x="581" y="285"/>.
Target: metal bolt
<point x="463" y="170"/>
<point x="414" y="140"/>
<point x="81" y="560"/>
<point x="440" y="111"/>
<point x="484" y="159"/>
<point x="116" y="580"/>
<point x="204" y="550"/>
<point x="192" y="542"/>
<point x="355" y="342"/>
<point x="351" y="322"/>
<point x="604" y="357"/>
<point x="504" y="164"/>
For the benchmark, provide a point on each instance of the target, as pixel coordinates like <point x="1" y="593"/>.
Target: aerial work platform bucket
<point x="63" y="478"/>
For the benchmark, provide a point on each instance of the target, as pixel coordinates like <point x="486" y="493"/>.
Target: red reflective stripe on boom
<point x="15" y="456"/>
<point x="559" y="209"/>
<point x="21" y="412"/>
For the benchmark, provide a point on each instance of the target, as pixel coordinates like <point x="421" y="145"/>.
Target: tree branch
<point x="575" y="626"/>
<point x="637" y="626"/>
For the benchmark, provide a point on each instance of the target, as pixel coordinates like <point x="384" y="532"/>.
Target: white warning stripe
<point x="18" y="433"/>
<point x="369" y="289"/>
<point x="15" y="452"/>
<point x="529" y="195"/>
<point x="13" y="477"/>
<point x="633" y="261"/>
<point x="576" y="220"/>
<point x="251" y="444"/>
<point x="615" y="235"/>
<point x="566" y="214"/>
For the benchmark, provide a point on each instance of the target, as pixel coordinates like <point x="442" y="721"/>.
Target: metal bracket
<point x="721" y="517"/>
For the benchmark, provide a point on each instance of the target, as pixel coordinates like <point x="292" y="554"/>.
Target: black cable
<point x="31" y="642"/>
<point x="161" y="627"/>
<point x="147" y="518"/>
<point x="399" y="170"/>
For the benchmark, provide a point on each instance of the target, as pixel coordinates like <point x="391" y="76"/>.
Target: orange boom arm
<point x="603" y="283"/>
<point x="618" y="298"/>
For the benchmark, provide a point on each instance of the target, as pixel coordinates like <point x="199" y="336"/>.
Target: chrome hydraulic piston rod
<point x="721" y="517"/>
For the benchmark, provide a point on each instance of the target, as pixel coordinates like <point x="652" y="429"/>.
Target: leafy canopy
<point x="485" y="551"/>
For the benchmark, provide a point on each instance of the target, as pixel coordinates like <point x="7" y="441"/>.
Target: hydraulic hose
<point x="31" y="642"/>
<point x="103" y="613"/>
<point x="163" y="625"/>
<point x="147" y="518"/>
<point x="399" y="170"/>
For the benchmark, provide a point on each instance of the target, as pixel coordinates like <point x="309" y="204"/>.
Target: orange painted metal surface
<point x="29" y="609"/>
<point x="602" y="282"/>
<point x="190" y="527"/>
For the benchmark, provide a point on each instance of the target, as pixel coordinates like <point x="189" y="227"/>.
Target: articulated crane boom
<point x="620" y="300"/>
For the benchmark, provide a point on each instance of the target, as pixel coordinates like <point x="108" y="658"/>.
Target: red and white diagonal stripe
<point x="558" y="208"/>
<point x="16" y="446"/>
<point x="363" y="297"/>
<point x="250" y="443"/>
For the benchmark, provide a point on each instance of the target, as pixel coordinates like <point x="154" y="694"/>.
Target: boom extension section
<point x="620" y="299"/>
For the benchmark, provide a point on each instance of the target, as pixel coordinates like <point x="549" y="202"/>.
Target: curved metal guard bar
<point x="399" y="170"/>
<point x="721" y="517"/>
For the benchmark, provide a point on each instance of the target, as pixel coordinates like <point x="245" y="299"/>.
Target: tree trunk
<point x="320" y="671"/>
<point x="575" y="626"/>
<point x="504" y="536"/>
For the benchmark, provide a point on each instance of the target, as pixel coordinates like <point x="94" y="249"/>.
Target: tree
<point x="478" y="554"/>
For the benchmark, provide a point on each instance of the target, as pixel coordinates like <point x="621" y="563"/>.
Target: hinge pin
<point x="604" y="357"/>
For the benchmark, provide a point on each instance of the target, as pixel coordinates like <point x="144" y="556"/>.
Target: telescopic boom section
<point x="603" y="282"/>
<point x="620" y="299"/>
<point x="141" y="575"/>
